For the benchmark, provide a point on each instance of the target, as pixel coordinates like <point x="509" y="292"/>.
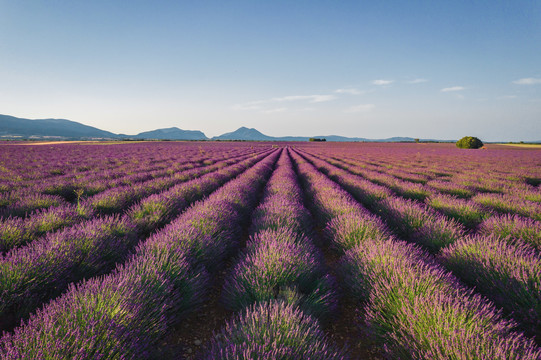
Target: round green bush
<point x="469" y="142"/>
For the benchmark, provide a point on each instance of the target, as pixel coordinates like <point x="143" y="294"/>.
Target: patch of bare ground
<point x="187" y="340"/>
<point x="345" y="330"/>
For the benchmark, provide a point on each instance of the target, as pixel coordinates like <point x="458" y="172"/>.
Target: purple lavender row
<point x="412" y="305"/>
<point x="158" y="209"/>
<point x="517" y="185"/>
<point x="55" y="161"/>
<point x="430" y="179"/>
<point x="408" y="216"/>
<point x="513" y="227"/>
<point x="116" y="175"/>
<point x="92" y="183"/>
<point x="509" y="274"/>
<point x="472" y="214"/>
<point x="405" y="188"/>
<point x="533" y="268"/>
<point x="116" y="199"/>
<point x="280" y="261"/>
<point x="55" y="173"/>
<point x="25" y="202"/>
<point x="33" y="274"/>
<point x="113" y="167"/>
<point x="122" y="315"/>
<point x="515" y="268"/>
<point x="27" y="164"/>
<point x="278" y="284"/>
<point x="96" y="181"/>
<point x="91" y="179"/>
<point x="22" y="203"/>
<point x="511" y="184"/>
<point x="509" y="204"/>
<point x="476" y="216"/>
<point x="405" y="171"/>
<point x="468" y="212"/>
<point x="16" y="231"/>
<point x="465" y="211"/>
<point x="272" y="330"/>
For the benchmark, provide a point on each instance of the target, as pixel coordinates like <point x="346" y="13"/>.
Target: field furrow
<point x="126" y="312"/>
<point x="15" y="232"/>
<point x="507" y="271"/>
<point x="269" y="250"/>
<point x="33" y="274"/>
<point x="396" y="281"/>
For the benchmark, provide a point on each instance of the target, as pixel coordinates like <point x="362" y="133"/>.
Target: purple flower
<point x="272" y="330"/>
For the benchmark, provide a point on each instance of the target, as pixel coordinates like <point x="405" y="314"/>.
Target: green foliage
<point x="469" y="142"/>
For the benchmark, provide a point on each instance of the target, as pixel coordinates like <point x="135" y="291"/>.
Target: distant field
<point x="69" y="142"/>
<point x="294" y="250"/>
<point x="533" y="146"/>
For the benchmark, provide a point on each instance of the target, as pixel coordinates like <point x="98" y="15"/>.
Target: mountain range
<point x="60" y="129"/>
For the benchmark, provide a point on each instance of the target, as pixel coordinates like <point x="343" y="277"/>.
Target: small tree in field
<point x="469" y="142"/>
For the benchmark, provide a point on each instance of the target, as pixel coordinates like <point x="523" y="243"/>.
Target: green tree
<point x="469" y="142"/>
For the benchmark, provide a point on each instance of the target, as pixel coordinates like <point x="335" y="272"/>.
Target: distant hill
<point x="54" y="128"/>
<point x="244" y="133"/>
<point x="250" y="134"/>
<point x="172" y="133"/>
<point x="18" y="128"/>
<point x="15" y="128"/>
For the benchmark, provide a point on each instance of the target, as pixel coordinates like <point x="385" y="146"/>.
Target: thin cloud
<point x="309" y="98"/>
<point x="417" y="81"/>
<point x="348" y="91"/>
<point x="259" y="104"/>
<point x="360" y="108"/>
<point x="244" y="107"/>
<point x="452" y="88"/>
<point x="272" y="111"/>
<point x="381" y="82"/>
<point x="527" y="81"/>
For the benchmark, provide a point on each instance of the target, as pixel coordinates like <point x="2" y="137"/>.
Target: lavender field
<point x="260" y="250"/>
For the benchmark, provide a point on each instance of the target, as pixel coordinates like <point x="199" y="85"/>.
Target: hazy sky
<point x="428" y="69"/>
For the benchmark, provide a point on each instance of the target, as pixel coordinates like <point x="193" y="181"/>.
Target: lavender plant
<point x="466" y="212"/>
<point x="280" y="264"/>
<point x="420" y="311"/>
<point x="44" y="268"/>
<point x="414" y="307"/>
<point x="272" y="330"/>
<point x="508" y="273"/>
<point x="515" y="227"/>
<point x="509" y="204"/>
<point x="106" y="321"/>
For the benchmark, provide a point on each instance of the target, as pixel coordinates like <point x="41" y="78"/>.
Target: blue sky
<point x="428" y="69"/>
